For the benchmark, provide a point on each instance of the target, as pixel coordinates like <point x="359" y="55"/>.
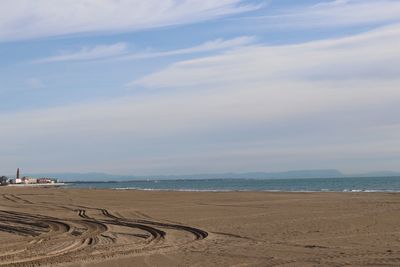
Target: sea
<point x="350" y="184"/>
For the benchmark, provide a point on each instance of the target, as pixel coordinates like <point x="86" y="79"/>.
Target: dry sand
<point x="72" y="227"/>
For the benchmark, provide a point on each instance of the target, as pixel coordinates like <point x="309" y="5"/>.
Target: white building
<point x="16" y="181"/>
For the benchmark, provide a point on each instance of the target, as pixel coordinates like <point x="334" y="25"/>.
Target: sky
<point x="186" y="86"/>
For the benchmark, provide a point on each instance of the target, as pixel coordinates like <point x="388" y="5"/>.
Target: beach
<point x="105" y="227"/>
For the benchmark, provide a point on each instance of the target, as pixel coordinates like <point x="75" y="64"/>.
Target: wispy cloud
<point x="120" y="51"/>
<point x="325" y="103"/>
<point x="25" y="19"/>
<point x="372" y="55"/>
<point x="215" y="45"/>
<point x="336" y="13"/>
<point x="89" y="53"/>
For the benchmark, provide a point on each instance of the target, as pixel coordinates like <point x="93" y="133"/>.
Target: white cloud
<point x="192" y="131"/>
<point x="24" y="19"/>
<point x="331" y="103"/>
<point x="372" y="55"/>
<point x="215" y="45"/>
<point x="120" y="51"/>
<point x="89" y="53"/>
<point x="337" y="13"/>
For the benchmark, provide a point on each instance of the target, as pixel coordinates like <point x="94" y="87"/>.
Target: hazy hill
<point x="94" y="176"/>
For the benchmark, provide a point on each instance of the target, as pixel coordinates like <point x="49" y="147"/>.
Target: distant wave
<point x="370" y="185"/>
<point x="261" y="190"/>
<point x="179" y="190"/>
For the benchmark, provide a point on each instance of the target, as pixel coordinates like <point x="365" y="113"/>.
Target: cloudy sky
<point x="188" y="86"/>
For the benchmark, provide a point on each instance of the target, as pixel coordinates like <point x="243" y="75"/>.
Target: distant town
<point x="26" y="180"/>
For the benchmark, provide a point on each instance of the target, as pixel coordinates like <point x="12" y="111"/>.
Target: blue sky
<point x="174" y="87"/>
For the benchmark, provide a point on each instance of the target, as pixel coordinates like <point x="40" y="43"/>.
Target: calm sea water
<point x="370" y="184"/>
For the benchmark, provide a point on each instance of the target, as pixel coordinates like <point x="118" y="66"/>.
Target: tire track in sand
<point x="95" y="232"/>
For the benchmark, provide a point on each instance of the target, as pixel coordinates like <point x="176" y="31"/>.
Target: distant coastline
<point x="296" y="174"/>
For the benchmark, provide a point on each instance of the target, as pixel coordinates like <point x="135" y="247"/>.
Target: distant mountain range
<point x="94" y="176"/>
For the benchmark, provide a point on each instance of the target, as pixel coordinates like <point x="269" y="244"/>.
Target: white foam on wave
<point x="254" y="190"/>
<point x="371" y="191"/>
<point x="178" y="190"/>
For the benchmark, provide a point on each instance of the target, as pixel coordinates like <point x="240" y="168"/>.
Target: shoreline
<point x="69" y="187"/>
<point x="35" y="185"/>
<point x="244" y="191"/>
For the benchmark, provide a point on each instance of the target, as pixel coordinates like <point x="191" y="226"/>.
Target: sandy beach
<point x="80" y="227"/>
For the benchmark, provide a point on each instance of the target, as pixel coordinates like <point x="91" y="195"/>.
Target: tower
<point x="18" y="173"/>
